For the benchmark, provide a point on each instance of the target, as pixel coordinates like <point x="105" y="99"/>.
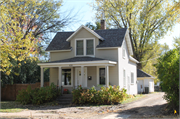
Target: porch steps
<point x="65" y="99"/>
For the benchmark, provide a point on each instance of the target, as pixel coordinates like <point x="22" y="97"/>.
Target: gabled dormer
<point x="84" y="41"/>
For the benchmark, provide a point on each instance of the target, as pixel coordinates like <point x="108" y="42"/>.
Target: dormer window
<point x="79" y="47"/>
<point x="89" y="47"/>
<point x="85" y="47"/>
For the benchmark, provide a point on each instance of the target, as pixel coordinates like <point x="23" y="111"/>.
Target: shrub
<point x="38" y="95"/>
<point x="110" y="95"/>
<point x="168" y="73"/>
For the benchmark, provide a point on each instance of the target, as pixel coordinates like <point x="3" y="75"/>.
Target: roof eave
<point x="88" y="29"/>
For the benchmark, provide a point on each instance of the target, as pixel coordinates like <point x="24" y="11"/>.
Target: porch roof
<point x="75" y="61"/>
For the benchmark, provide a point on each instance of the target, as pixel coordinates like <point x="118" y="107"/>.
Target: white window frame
<point x="84" y="47"/>
<point x="71" y="76"/>
<point x="97" y="71"/>
<point x="124" y="78"/>
<point x="133" y="78"/>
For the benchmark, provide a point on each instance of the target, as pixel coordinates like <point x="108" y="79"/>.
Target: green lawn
<point x="128" y="100"/>
<point x="11" y="106"/>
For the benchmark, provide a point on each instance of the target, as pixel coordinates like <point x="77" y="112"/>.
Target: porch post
<point x="107" y="75"/>
<point x="60" y="72"/>
<point x="42" y="76"/>
<point x="82" y="76"/>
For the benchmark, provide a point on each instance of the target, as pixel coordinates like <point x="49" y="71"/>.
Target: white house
<point x="104" y="57"/>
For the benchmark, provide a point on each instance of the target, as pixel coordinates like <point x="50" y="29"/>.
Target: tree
<point x="25" y="24"/>
<point x="97" y="25"/>
<point x="149" y="68"/>
<point x="168" y="72"/>
<point x="13" y="43"/>
<point x="177" y="41"/>
<point x="27" y="72"/>
<point x="147" y="21"/>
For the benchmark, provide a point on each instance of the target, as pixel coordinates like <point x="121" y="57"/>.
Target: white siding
<point x="125" y="63"/>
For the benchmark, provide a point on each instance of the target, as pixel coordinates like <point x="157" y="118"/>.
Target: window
<point x="123" y="53"/>
<point x="84" y="47"/>
<point x="79" y="47"/>
<point x="102" y="76"/>
<point x="132" y="78"/>
<point x="89" y="47"/>
<point x="124" y="77"/>
<point x="66" y="76"/>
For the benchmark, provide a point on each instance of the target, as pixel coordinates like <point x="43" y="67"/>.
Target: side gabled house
<point x="92" y="58"/>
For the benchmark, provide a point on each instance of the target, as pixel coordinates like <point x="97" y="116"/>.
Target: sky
<point x="86" y="14"/>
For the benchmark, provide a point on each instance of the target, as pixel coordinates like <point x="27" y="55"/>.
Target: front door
<point x="78" y="80"/>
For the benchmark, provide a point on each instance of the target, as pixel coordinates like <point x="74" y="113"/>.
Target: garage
<point x="145" y="82"/>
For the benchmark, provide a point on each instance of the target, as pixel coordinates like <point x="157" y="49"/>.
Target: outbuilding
<point x="145" y="82"/>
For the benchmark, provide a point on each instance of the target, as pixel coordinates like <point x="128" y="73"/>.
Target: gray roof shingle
<point x="141" y="73"/>
<point x="77" y="59"/>
<point x="112" y="38"/>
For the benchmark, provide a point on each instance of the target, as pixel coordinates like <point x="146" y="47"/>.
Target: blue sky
<point x="86" y="14"/>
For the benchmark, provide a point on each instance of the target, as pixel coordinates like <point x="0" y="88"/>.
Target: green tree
<point x="97" y="25"/>
<point x="24" y="28"/>
<point x="168" y="72"/>
<point x="149" y="68"/>
<point x="13" y="44"/>
<point x="27" y="72"/>
<point x="177" y="41"/>
<point x="147" y="21"/>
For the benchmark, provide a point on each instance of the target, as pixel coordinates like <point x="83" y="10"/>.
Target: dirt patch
<point x="149" y="106"/>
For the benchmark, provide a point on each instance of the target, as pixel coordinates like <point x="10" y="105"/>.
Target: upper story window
<point x="79" y="47"/>
<point x="85" y="47"/>
<point x="89" y="47"/>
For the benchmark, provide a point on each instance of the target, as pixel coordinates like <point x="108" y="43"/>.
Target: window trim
<point x="133" y="78"/>
<point x="71" y="77"/>
<point x="84" y="47"/>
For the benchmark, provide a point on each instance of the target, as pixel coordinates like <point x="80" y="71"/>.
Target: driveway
<point x="148" y="106"/>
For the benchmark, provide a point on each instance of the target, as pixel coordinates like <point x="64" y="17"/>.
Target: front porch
<point x="67" y="73"/>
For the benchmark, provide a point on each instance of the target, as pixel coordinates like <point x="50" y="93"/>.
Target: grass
<point x="128" y="100"/>
<point x="11" y="106"/>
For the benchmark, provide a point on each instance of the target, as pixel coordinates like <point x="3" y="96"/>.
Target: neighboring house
<point x="144" y="80"/>
<point x="104" y="57"/>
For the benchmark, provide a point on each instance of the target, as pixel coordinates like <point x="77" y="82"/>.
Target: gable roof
<point x="141" y="73"/>
<point x="112" y="38"/>
<point x="88" y="29"/>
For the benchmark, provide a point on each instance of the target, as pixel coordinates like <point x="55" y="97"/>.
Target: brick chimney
<point x="103" y="24"/>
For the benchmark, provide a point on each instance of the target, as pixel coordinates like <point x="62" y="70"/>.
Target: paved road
<point x="145" y="107"/>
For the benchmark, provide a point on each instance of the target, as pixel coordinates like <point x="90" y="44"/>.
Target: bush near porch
<point x="38" y="95"/>
<point x="106" y="95"/>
